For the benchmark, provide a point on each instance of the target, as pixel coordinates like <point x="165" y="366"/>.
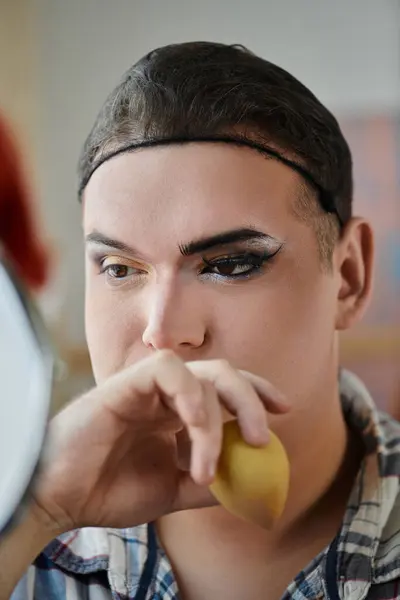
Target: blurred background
<point x="59" y="59"/>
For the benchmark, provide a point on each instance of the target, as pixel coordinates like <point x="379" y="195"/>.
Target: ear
<point x="354" y="261"/>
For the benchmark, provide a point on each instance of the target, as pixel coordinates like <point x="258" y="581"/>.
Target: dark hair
<point x="205" y="89"/>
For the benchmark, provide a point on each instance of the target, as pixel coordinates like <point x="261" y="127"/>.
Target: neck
<point x="324" y="460"/>
<point x="318" y="449"/>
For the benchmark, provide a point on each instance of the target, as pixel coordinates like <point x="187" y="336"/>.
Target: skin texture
<point x="281" y="323"/>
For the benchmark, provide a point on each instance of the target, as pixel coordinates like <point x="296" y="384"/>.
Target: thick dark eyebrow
<point x="223" y="239"/>
<point x="190" y="248"/>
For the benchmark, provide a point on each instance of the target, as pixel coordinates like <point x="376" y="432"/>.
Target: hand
<point x="116" y="456"/>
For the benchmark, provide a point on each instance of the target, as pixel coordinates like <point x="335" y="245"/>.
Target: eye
<point x="236" y="266"/>
<point x="118" y="271"/>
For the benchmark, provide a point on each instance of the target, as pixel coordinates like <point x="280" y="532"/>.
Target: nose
<point x="174" y="317"/>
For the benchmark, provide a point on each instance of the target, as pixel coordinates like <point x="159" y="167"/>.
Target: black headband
<point x="325" y="197"/>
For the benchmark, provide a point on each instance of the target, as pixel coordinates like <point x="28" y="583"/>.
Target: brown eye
<point x="117" y="271"/>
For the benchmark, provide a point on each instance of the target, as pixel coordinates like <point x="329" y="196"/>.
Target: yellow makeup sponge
<point x="251" y="483"/>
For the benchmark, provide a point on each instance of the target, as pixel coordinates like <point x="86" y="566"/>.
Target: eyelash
<point x="105" y="269"/>
<point x="256" y="262"/>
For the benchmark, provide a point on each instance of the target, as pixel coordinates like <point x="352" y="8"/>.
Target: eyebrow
<point x="189" y="248"/>
<point x="222" y="239"/>
<point x="103" y="240"/>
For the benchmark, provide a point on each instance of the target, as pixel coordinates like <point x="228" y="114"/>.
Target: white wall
<point x="348" y="52"/>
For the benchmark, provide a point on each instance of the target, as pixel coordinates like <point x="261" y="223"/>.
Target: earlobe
<point x="354" y="259"/>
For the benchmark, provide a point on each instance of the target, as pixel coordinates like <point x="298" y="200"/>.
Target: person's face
<point x="156" y="278"/>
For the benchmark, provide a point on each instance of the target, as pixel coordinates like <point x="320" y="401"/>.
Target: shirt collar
<point x="371" y="523"/>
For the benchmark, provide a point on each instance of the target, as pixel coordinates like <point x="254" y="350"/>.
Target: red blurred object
<point x="18" y="227"/>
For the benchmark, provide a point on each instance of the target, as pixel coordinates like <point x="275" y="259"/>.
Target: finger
<point x="239" y="396"/>
<point x="207" y="440"/>
<point x="190" y="495"/>
<point x="274" y="401"/>
<point x="166" y="376"/>
<point x="163" y="375"/>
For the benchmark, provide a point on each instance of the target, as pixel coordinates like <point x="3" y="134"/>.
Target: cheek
<point x="283" y="332"/>
<point x="111" y="329"/>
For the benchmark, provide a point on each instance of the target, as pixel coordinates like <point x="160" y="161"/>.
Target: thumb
<point x="190" y="495"/>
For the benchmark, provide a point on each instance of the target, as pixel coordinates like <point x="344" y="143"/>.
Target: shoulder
<point x="386" y="565"/>
<point x="388" y="440"/>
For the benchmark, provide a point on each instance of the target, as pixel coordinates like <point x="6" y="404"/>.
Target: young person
<point x="222" y="260"/>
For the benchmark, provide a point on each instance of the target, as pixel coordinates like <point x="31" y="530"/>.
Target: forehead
<point x="190" y="189"/>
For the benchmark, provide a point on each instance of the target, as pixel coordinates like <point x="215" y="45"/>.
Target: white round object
<point x="26" y="380"/>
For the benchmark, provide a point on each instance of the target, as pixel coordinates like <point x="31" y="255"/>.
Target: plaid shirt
<point x="362" y="562"/>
